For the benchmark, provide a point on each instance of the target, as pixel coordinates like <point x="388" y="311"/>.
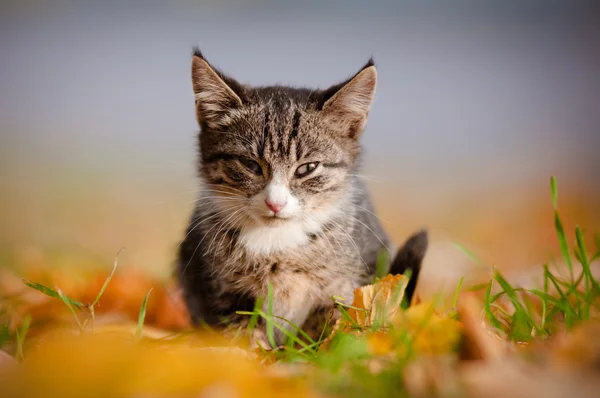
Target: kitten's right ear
<point x="216" y="94"/>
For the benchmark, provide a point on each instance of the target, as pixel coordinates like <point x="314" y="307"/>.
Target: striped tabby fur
<point x="280" y="200"/>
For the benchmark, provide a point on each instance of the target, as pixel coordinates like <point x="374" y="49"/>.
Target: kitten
<point x="281" y="202"/>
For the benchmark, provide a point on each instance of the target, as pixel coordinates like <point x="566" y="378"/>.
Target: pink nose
<point x="275" y="207"/>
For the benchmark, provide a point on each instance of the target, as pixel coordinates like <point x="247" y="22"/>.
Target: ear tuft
<point x="346" y="106"/>
<point x="370" y="62"/>
<point x="197" y="53"/>
<point x="216" y="95"/>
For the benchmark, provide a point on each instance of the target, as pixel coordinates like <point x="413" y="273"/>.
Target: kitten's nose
<point x="275" y="207"/>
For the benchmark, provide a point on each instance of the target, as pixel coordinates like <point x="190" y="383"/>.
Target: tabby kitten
<point x="280" y="199"/>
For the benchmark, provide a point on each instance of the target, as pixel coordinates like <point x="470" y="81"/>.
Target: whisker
<point x="215" y="198"/>
<point x="351" y="240"/>
<point x="366" y="177"/>
<point x="198" y="245"/>
<point x="374" y="234"/>
<point x="369" y="211"/>
<point x="224" y="193"/>
<point x="233" y="223"/>
<point x="335" y="254"/>
<point x="221" y="228"/>
<point x="225" y="187"/>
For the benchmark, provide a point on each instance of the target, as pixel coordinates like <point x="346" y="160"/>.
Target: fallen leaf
<point x="478" y="342"/>
<point x="379" y="301"/>
<point x="6" y="359"/>
<point x="432" y="376"/>
<point x="107" y="365"/>
<point x="578" y="350"/>
<point x="429" y="333"/>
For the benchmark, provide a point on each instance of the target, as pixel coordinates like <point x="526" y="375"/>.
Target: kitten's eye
<point x="306" y="169"/>
<point x="251" y="165"/>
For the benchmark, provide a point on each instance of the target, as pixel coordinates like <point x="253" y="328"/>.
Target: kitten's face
<point x="280" y="163"/>
<point x="278" y="156"/>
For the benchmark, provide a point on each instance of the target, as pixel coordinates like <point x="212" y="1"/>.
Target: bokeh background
<point x="478" y="104"/>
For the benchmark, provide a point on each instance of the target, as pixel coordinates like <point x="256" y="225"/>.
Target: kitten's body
<point x="281" y="202"/>
<point x="229" y="276"/>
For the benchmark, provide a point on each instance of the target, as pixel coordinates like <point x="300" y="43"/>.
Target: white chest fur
<point x="271" y="239"/>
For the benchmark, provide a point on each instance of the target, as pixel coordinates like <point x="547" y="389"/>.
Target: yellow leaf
<point x="379" y="301"/>
<point x="113" y="365"/>
<point x="380" y="343"/>
<point x="429" y="332"/>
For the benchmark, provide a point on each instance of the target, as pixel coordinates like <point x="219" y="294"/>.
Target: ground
<point x="121" y="332"/>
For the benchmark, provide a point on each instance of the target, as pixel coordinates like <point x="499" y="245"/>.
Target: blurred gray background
<point x="477" y="102"/>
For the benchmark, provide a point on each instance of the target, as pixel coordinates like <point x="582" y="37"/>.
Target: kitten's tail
<point x="409" y="257"/>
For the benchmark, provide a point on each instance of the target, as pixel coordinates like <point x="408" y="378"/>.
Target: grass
<point x="571" y="305"/>
<point x="75" y="306"/>
<point x="142" y="317"/>
<point x="346" y="366"/>
<point x="20" y="335"/>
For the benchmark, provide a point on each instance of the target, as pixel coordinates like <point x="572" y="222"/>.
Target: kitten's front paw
<point x="259" y="340"/>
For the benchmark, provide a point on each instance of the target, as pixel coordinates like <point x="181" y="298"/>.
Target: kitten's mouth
<point x="274" y="220"/>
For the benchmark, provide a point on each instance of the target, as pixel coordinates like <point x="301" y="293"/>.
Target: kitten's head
<point x="276" y="155"/>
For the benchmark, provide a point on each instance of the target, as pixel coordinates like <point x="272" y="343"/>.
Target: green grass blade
<point x="339" y="301"/>
<point x="21" y="334"/>
<point x="108" y="279"/>
<point x="562" y="242"/>
<point x="293" y="337"/>
<point x="522" y="319"/>
<point x="500" y="309"/>
<point x="470" y="255"/>
<point x="270" y="326"/>
<point x="382" y="265"/>
<point x="551" y="300"/>
<point x="312" y="346"/>
<point x="322" y="335"/>
<point x="297" y="328"/>
<point x="554" y="192"/>
<point x="555" y="282"/>
<point x="401" y="288"/>
<point x="487" y="306"/>
<point x="477" y="287"/>
<point x="254" y="316"/>
<point x="346" y="316"/>
<point x="560" y="231"/>
<point x="246" y="312"/>
<point x="570" y="313"/>
<point x="496" y="296"/>
<point x="457" y="291"/>
<point x="142" y="317"/>
<point x="585" y="262"/>
<point x="544" y="300"/>
<point x="51" y="293"/>
<point x="597" y="242"/>
<point x="69" y="304"/>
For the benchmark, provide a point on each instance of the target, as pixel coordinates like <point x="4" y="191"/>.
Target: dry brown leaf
<point x="432" y="376"/>
<point x="477" y="343"/>
<point x="6" y="359"/>
<point x="577" y="351"/>
<point x="120" y="302"/>
<point x="517" y="379"/>
<point x="378" y="301"/>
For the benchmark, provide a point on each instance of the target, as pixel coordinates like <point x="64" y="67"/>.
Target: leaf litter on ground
<point x="114" y="338"/>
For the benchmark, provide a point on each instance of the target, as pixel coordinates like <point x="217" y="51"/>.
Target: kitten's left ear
<point x="346" y="106"/>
